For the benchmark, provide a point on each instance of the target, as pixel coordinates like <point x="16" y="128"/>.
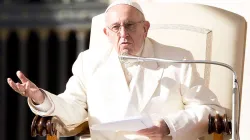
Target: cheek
<point x="113" y="39"/>
<point x="138" y="40"/>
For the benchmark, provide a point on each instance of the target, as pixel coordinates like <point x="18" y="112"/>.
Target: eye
<point x="115" y="27"/>
<point x="129" y="25"/>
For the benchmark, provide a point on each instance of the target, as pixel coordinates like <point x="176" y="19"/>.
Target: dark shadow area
<point x="32" y="49"/>
<point x="53" y="61"/>
<point x="25" y="56"/>
<point x="30" y="41"/>
<point x="88" y="40"/>
<point x="71" y="45"/>
<point x="11" y="99"/>
<point x="33" y="56"/>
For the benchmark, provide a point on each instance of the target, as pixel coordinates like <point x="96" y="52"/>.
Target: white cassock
<point x="173" y="92"/>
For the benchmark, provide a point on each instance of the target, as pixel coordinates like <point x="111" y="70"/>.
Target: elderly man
<point x="105" y="90"/>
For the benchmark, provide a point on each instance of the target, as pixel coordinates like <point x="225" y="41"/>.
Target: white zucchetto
<point x="126" y="2"/>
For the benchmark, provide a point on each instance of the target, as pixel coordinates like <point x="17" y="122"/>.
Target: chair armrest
<point x="219" y="124"/>
<point x="52" y="126"/>
<point x="43" y="126"/>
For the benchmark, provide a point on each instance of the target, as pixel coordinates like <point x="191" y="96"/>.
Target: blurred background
<point x="42" y="38"/>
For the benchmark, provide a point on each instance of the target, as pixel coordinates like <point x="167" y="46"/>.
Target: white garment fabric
<point x="130" y="69"/>
<point x="98" y="91"/>
<point x="45" y="106"/>
<point x="129" y="72"/>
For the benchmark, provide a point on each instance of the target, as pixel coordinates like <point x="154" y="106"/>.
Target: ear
<point x="146" y="27"/>
<point x="105" y="31"/>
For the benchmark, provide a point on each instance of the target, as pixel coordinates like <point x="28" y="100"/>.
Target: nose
<point x="123" y="32"/>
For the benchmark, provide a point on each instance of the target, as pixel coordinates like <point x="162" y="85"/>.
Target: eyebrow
<point x="114" y="23"/>
<point x="127" y="21"/>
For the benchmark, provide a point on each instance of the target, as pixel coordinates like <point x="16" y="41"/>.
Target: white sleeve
<point x="44" y="107"/>
<point x="192" y="122"/>
<point x="71" y="105"/>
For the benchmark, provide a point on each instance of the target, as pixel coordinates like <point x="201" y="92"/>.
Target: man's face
<point x="126" y="29"/>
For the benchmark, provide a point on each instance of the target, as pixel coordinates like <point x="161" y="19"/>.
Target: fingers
<point x="21" y="76"/>
<point x="149" y="130"/>
<point x="12" y="84"/>
<point x="155" y="138"/>
<point x="19" y="88"/>
<point x="153" y="133"/>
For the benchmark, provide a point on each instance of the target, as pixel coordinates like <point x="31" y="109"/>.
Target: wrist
<point x="38" y="102"/>
<point x="40" y="99"/>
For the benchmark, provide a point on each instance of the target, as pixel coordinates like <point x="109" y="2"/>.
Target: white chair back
<point x="209" y="33"/>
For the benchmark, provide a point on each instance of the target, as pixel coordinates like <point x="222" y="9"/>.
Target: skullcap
<point x="126" y="2"/>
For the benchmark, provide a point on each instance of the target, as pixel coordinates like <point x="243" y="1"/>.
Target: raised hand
<point x="26" y="88"/>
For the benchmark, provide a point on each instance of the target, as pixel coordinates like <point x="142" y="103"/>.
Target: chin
<point x="125" y="50"/>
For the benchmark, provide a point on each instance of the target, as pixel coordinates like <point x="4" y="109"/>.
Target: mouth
<point x="125" y="46"/>
<point x="125" y="43"/>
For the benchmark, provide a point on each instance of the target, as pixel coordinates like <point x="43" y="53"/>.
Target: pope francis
<point x="105" y="89"/>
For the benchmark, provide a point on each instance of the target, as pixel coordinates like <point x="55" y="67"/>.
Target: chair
<point x="209" y="33"/>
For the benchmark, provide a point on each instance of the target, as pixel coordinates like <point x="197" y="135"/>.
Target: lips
<point x="125" y="43"/>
